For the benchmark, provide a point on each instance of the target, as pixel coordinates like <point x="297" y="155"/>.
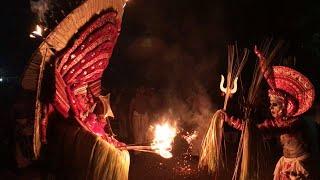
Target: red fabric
<point x="296" y="85"/>
<point x="79" y="70"/>
<point x="235" y="122"/>
<point x="47" y="111"/>
<point x="266" y="124"/>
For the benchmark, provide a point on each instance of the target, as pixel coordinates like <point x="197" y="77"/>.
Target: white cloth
<point x="291" y="168"/>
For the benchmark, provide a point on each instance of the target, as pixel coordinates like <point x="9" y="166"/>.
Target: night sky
<point x="173" y="44"/>
<point x="177" y="34"/>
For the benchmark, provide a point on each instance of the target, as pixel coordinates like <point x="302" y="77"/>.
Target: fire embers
<point x="186" y="164"/>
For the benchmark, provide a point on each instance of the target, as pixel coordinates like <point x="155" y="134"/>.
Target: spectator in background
<point x="139" y="116"/>
<point x="23" y="117"/>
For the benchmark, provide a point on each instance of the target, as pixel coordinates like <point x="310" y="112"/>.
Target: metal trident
<point x="228" y="90"/>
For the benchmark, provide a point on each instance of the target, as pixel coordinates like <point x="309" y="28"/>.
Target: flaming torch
<point x="164" y="135"/>
<point x="37" y="32"/>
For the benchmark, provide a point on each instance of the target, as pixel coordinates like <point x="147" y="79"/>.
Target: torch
<point x="164" y="135"/>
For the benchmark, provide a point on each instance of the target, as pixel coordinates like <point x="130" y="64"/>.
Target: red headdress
<point x="289" y="85"/>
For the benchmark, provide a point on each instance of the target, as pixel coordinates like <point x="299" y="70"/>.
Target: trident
<point x="228" y="90"/>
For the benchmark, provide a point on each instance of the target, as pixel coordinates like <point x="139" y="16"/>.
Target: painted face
<point x="277" y="107"/>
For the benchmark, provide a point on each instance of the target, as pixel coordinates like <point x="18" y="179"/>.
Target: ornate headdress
<point x="288" y="85"/>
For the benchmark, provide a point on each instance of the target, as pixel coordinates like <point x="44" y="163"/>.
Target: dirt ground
<point x="149" y="166"/>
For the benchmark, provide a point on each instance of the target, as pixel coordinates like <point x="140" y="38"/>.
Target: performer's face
<point x="276" y="107"/>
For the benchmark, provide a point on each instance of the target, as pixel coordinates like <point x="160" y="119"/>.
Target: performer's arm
<point x="278" y="124"/>
<point x="268" y="124"/>
<point x="234" y="122"/>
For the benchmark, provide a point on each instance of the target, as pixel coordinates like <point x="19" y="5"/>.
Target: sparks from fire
<point x="189" y="137"/>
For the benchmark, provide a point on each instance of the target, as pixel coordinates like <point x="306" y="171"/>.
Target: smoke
<point x="184" y="63"/>
<point x="179" y="52"/>
<point x="194" y="111"/>
<point x="40" y="7"/>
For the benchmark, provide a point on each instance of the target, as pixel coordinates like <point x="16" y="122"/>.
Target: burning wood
<point x="138" y="148"/>
<point x="164" y="135"/>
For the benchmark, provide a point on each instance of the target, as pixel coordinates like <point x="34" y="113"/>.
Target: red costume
<point x="65" y="72"/>
<point x="78" y="74"/>
<point x="296" y="93"/>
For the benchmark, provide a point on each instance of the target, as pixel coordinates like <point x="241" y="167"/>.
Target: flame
<point x="37" y="32"/>
<point x="164" y="135"/>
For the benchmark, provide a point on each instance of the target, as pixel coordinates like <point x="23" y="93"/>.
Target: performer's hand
<point x="260" y="126"/>
<point x="223" y="114"/>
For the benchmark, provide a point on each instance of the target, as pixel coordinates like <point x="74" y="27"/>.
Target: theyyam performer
<point x="71" y="117"/>
<point x="290" y="94"/>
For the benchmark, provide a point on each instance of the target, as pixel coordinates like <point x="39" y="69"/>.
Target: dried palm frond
<point x="249" y="150"/>
<point x="210" y="155"/>
<point x="211" y="147"/>
<point x="76" y="154"/>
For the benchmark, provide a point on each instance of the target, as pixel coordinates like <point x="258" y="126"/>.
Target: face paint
<point x="276" y="107"/>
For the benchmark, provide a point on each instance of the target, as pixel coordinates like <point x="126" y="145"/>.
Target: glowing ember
<point x="37" y="32"/>
<point x="163" y="139"/>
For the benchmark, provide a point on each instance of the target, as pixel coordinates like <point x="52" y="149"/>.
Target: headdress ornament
<point x="289" y="84"/>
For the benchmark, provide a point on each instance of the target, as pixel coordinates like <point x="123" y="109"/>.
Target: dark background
<point x="179" y="45"/>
